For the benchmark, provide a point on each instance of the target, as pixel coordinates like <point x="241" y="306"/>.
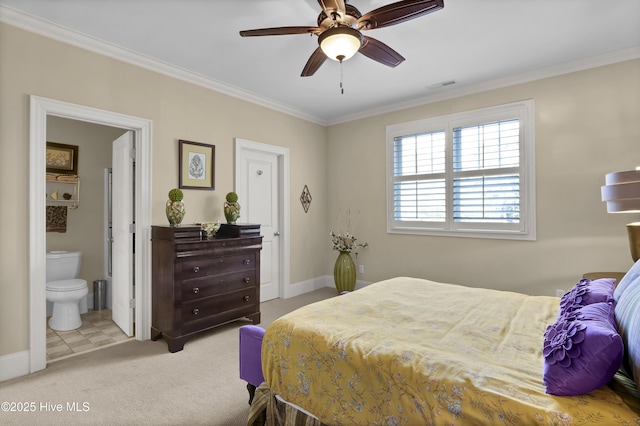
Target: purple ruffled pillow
<point x="582" y="350"/>
<point x="587" y="292"/>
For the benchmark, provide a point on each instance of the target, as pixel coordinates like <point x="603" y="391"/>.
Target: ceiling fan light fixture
<point x="340" y="43"/>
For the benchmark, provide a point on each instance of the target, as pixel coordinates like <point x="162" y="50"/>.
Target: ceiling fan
<point x="340" y="27"/>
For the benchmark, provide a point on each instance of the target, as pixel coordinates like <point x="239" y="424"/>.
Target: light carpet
<point x="142" y="383"/>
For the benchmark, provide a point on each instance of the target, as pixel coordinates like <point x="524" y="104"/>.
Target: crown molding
<point x="57" y="32"/>
<point x="48" y="29"/>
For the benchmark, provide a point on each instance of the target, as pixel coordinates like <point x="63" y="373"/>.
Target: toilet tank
<point x="63" y="265"/>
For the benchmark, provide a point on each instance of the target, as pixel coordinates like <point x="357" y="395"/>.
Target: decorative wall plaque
<point x="305" y="199"/>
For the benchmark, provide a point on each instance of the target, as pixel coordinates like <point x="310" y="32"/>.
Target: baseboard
<point x="14" y="365"/>
<point x="303" y="287"/>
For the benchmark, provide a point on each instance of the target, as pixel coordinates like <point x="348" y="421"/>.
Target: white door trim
<point x="284" y="187"/>
<point x="40" y="109"/>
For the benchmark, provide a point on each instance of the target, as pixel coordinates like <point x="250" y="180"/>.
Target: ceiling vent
<point x="442" y="84"/>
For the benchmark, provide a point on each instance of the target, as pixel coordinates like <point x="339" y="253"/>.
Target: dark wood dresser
<point x="200" y="283"/>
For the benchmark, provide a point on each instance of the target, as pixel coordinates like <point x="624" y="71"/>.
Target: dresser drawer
<point x="217" y="305"/>
<point x="216" y="247"/>
<point x="198" y="288"/>
<point x="202" y="267"/>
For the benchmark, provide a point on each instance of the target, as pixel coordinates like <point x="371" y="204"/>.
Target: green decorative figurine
<point x="231" y="208"/>
<point x="175" y="207"/>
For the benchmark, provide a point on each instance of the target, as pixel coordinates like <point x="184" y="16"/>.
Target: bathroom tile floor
<point x="97" y="330"/>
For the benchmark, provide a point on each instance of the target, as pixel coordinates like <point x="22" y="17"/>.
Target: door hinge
<point x="132" y="303"/>
<point x="132" y="228"/>
<point x="132" y="153"/>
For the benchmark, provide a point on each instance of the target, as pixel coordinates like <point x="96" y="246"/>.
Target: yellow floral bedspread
<point x="414" y="352"/>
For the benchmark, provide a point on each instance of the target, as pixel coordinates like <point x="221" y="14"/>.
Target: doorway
<point x="262" y="180"/>
<point x="41" y="108"/>
<point x="81" y="231"/>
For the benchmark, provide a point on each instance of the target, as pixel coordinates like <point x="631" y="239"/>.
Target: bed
<point x="409" y="351"/>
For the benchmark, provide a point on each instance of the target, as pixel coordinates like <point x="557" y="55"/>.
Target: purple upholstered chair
<point x="251" y="357"/>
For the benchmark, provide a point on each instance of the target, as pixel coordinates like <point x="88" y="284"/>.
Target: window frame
<point x="525" y="229"/>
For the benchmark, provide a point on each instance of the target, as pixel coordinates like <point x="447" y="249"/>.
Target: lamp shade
<point x="622" y="191"/>
<point x="340" y="43"/>
<point x="622" y="194"/>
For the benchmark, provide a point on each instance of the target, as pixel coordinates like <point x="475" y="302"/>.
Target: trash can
<point x="99" y="295"/>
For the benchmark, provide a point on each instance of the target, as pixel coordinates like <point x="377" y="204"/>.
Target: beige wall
<point x="33" y="65"/>
<point x="85" y="225"/>
<point x="586" y="125"/>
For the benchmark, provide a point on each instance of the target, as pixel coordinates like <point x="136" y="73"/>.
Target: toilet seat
<point x="66" y="285"/>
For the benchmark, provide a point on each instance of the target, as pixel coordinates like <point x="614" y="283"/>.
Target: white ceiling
<point x="479" y="44"/>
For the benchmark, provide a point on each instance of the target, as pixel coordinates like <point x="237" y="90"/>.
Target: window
<point x="469" y="174"/>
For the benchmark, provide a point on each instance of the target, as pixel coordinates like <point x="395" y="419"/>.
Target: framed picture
<point x="196" y="162"/>
<point x="62" y="158"/>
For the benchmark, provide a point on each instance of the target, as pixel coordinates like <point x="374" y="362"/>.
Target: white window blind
<point x="419" y="166"/>
<point x="467" y="174"/>
<point x="486" y="175"/>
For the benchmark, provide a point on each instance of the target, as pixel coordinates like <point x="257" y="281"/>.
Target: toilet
<point x="64" y="289"/>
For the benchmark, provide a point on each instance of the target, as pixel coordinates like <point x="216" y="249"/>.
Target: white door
<point x="122" y="246"/>
<point x="261" y="205"/>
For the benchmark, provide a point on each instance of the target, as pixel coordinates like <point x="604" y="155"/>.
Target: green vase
<point x="231" y="212"/>
<point x="344" y="272"/>
<point x="175" y="212"/>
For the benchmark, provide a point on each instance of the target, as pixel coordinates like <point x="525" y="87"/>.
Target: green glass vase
<point x="344" y="272"/>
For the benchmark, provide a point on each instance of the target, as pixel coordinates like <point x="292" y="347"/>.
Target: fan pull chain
<point x="341" y="87"/>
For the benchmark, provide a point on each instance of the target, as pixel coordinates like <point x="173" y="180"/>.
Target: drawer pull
<point x="247" y="261"/>
<point x="196" y="269"/>
<point x="196" y="290"/>
<point x="246" y="298"/>
<point x="247" y="279"/>
<point x="196" y="311"/>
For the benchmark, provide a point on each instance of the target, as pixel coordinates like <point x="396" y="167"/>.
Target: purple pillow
<point x="582" y="350"/>
<point x="587" y="292"/>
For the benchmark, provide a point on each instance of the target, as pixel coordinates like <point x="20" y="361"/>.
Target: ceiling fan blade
<point x="280" y="31"/>
<point x="332" y="5"/>
<point x="378" y="51"/>
<point x="315" y="61"/>
<point x="398" y="12"/>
